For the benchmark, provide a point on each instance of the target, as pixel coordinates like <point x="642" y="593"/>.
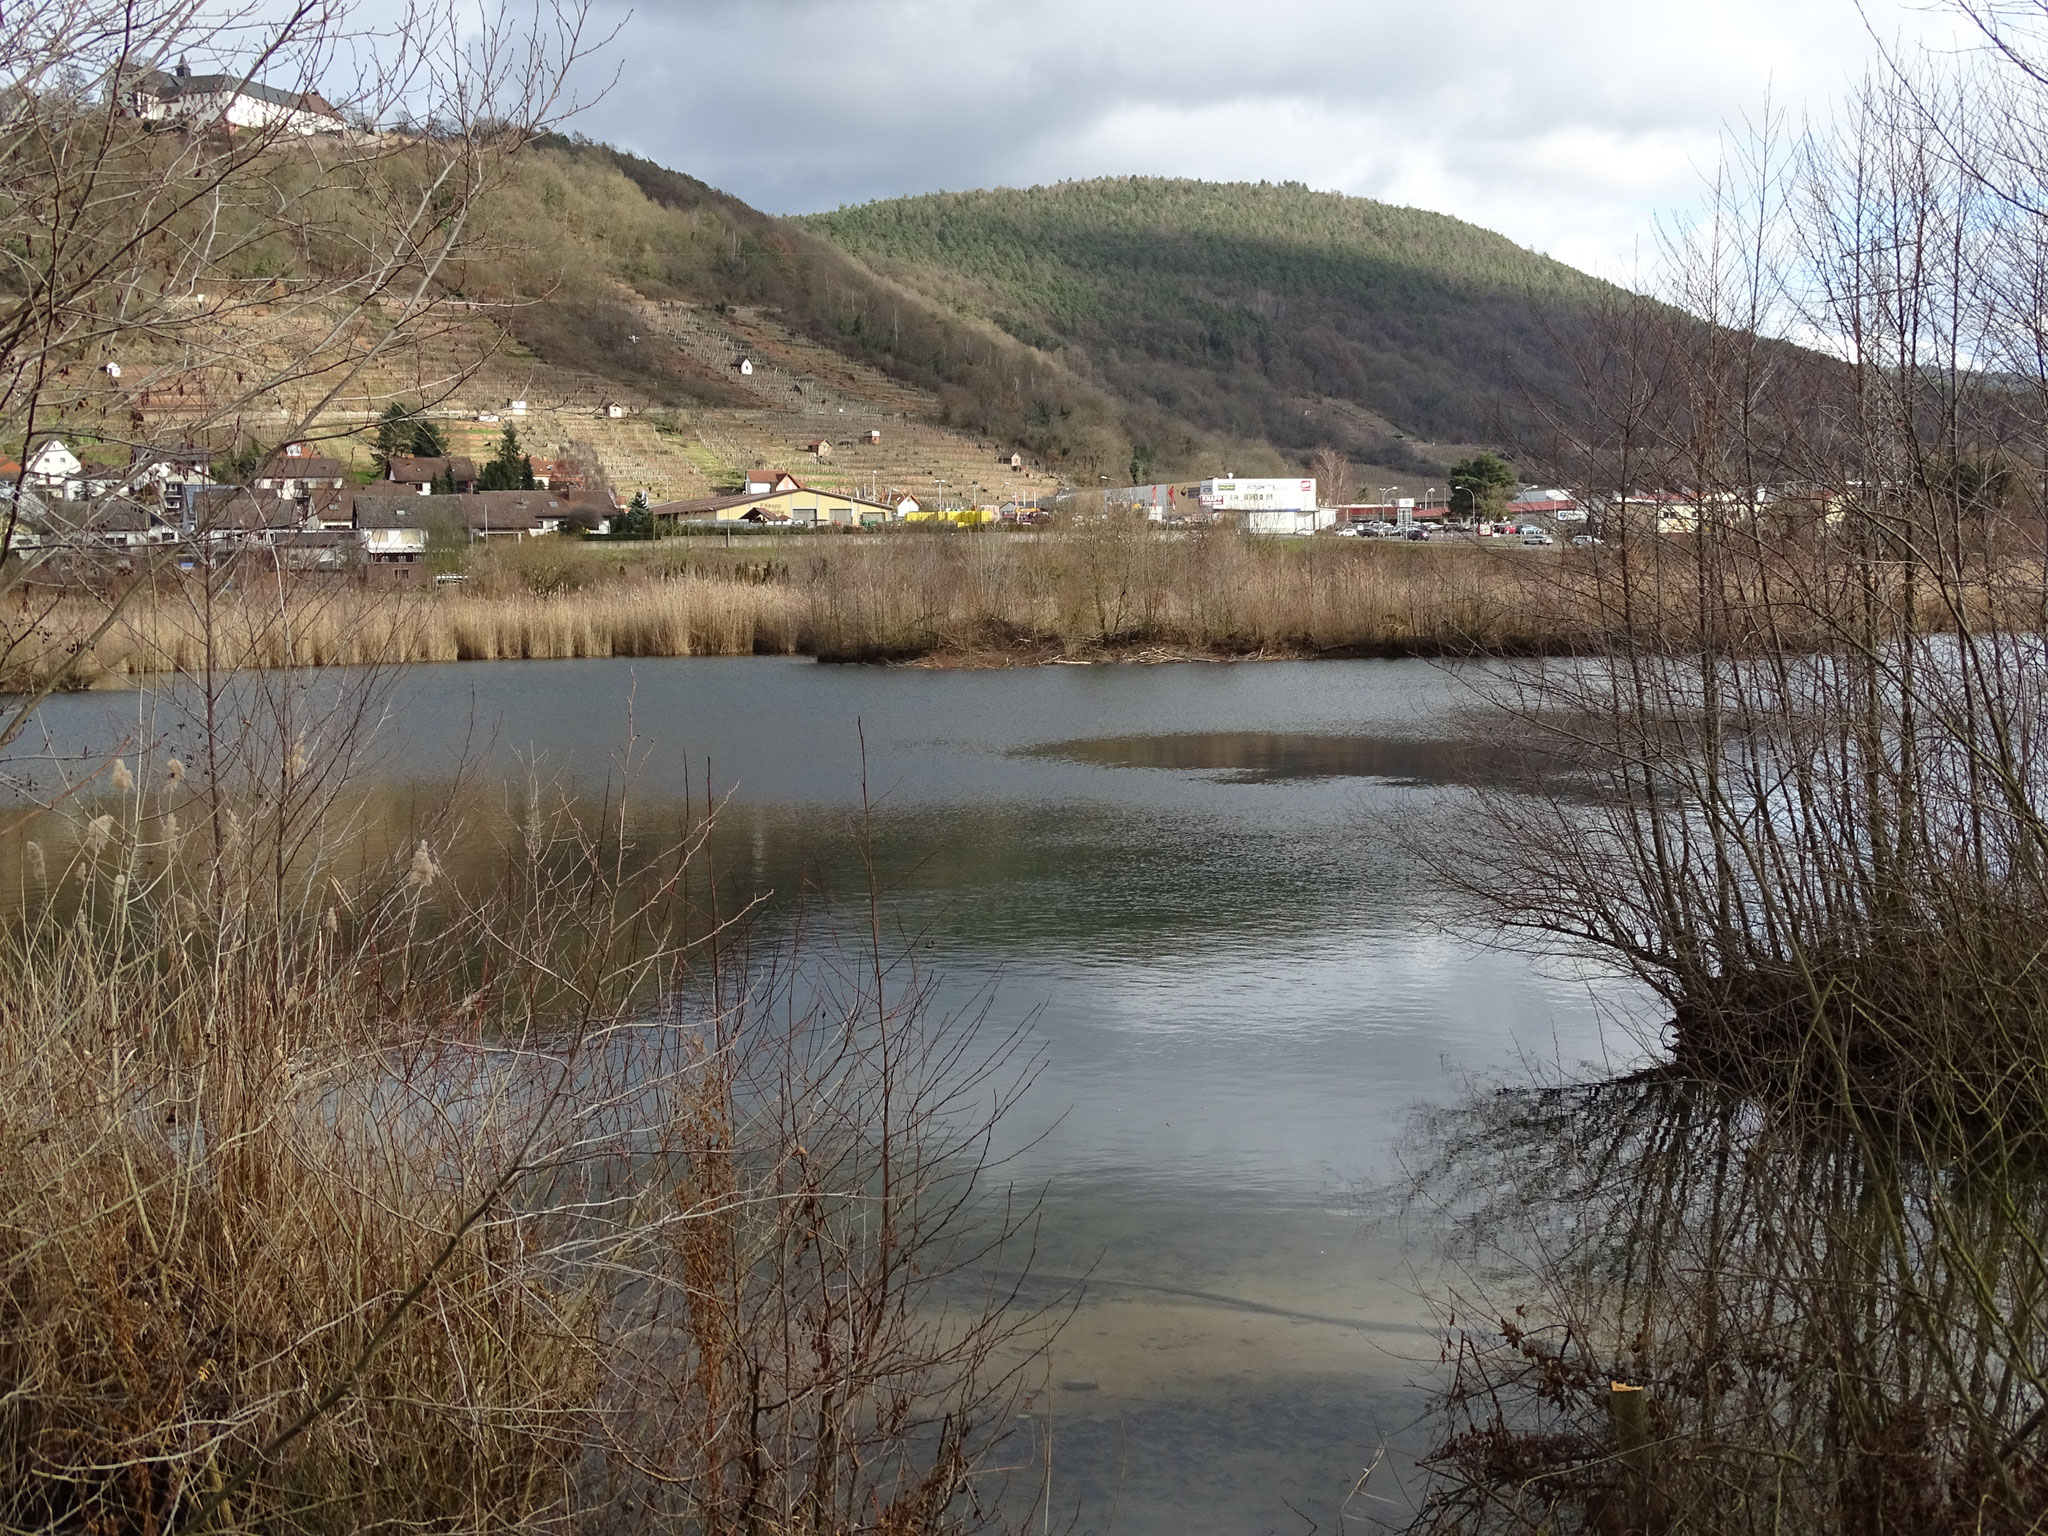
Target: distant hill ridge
<point x="1124" y="328"/>
<point x="1254" y="309"/>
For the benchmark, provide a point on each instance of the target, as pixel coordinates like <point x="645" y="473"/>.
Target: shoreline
<point x="954" y="604"/>
<point x="946" y="659"/>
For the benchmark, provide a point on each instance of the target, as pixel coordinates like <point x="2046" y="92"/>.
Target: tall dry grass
<point x="1109" y="584"/>
<point x="1090" y="589"/>
<point x="347" y="626"/>
<point x="346" y="1193"/>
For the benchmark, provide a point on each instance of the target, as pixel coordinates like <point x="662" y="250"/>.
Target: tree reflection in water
<point x="1832" y="1330"/>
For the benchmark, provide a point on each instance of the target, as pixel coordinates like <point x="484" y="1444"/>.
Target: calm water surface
<point x="1187" y="875"/>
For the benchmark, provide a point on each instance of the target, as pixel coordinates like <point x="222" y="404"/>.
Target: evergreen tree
<point x="509" y="470"/>
<point x="1482" y="484"/>
<point x="444" y="482"/>
<point x="636" y="522"/>
<point x="395" y="432"/>
<point x="427" y="442"/>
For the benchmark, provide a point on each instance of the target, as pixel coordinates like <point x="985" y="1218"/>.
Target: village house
<point x="227" y="101"/>
<point x="310" y="552"/>
<point x="52" y="468"/>
<point x="97" y="478"/>
<point x="872" y="436"/>
<point x="821" y="449"/>
<point x="420" y="474"/>
<point x="766" y="482"/>
<point x="333" y="506"/>
<point x="558" y="475"/>
<point x="743" y="366"/>
<point x="168" y="472"/>
<point x="486" y="515"/>
<point x="394" y="540"/>
<point x="1015" y="461"/>
<point x="234" y="514"/>
<point x="296" y="472"/>
<point x="798" y="505"/>
<point x="117" y="522"/>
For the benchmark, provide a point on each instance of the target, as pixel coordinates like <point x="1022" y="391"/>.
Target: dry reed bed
<point x="958" y="599"/>
<point x="161" y="632"/>
<point x="949" y="598"/>
<point x="403" y="1199"/>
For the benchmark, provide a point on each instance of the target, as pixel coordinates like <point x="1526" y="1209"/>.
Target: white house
<point x="295" y="474"/>
<point x="228" y="101"/>
<point x="906" y="506"/>
<point x="168" y="473"/>
<point x="52" y="467"/>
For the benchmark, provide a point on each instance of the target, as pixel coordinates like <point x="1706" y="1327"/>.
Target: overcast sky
<point x="1567" y="126"/>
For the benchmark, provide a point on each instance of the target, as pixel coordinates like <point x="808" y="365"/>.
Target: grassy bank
<point x="959" y="599"/>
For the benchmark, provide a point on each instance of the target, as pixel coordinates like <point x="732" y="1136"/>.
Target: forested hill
<point x="1244" y="308"/>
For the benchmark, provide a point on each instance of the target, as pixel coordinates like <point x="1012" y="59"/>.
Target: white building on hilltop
<point x="228" y="101"/>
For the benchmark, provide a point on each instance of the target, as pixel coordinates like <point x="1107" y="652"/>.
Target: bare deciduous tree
<point x="218" y="260"/>
<point x="1335" y="478"/>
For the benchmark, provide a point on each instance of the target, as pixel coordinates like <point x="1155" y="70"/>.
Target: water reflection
<point x="1268" y="757"/>
<point x="1685" y="1309"/>
<point x="1240" y="981"/>
<point x="1276" y="756"/>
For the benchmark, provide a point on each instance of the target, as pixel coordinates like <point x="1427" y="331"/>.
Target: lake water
<point x="1187" y="876"/>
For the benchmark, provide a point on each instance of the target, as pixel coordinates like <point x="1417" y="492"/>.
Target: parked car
<point x="1536" y="536"/>
<point x="1418" y="535"/>
<point x="1349" y="531"/>
<point x="1587" y="541"/>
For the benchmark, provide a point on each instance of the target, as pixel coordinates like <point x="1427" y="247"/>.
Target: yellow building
<point x="798" y="506"/>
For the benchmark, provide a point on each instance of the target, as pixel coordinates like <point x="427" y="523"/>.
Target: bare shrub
<point x="477" y="1170"/>
<point x="1799" y="796"/>
<point x="1812" y="707"/>
<point x="178" y="285"/>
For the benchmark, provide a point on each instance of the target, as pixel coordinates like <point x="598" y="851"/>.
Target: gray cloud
<point x="1567" y="127"/>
